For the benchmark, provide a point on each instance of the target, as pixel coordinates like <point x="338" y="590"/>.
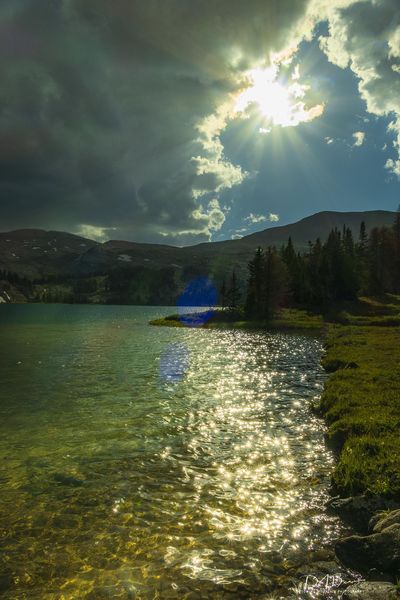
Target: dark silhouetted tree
<point x="233" y="295"/>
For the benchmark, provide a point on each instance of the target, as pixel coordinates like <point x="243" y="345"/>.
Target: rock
<point x="375" y="518"/>
<point x="331" y="366"/>
<point x="371" y="590"/>
<point x="358" y="510"/>
<point x="383" y="520"/>
<point x="106" y="593"/>
<point x="6" y="582"/>
<point x="375" y="575"/>
<point x="65" y="479"/>
<point x="320" y="569"/>
<point x="379" y="551"/>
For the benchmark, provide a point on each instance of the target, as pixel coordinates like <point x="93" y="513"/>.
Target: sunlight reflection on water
<point x="211" y="486"/>
<point x="174" y="362"/>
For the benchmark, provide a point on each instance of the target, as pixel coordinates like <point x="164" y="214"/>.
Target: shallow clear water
<point x="146" y="462"/>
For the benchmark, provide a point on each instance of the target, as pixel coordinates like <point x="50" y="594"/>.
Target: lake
<point x="147" y="462"/>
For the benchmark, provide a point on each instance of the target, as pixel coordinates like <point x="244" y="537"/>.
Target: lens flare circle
<point x="200" y="293"/>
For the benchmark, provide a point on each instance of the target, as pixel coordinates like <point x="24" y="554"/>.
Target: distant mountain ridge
<point x="321" y="224"/>
<point x="36" y="253"/>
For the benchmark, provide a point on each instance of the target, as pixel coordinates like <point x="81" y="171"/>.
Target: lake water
<point x="146" y="462"/>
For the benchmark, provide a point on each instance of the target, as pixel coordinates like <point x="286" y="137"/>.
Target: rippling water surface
<point x="144" y="462"/>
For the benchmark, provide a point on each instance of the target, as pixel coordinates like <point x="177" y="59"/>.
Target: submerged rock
<point x="6" y="581"/>
<point x="380" y="551"/>
<point x="321" y="569"/>
<point x="371" y="590"/>
<point x="65" y="479"/>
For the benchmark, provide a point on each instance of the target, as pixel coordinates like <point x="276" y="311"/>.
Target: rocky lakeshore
<point x="374" y="550"/>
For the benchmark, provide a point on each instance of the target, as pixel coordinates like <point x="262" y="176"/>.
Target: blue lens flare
<point x="174" y="362"/>
<point x="200" y="292"/>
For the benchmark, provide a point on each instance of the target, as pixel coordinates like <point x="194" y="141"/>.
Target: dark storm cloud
<point x="100" y="103"/>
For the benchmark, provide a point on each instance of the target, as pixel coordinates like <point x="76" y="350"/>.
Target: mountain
<point x="54" y="257"/>
<point x="320" y="225"/>
<point x="35" y="253"/>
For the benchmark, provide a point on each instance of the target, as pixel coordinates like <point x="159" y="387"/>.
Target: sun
<point x="277" y="104"/>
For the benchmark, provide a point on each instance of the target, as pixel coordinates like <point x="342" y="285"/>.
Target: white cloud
<point x="213" y="218"/>
<point x="253" y="219"/>
<point x="213" y="172"/>
<point x="216" y="216"/>
<point x="393" y="166"/>
<point x="239" y="233"/>
<point x="359" y="138"/>
<point x="99" y="234"/>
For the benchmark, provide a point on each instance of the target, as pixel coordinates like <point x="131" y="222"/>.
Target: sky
<point x="185" y="121"/>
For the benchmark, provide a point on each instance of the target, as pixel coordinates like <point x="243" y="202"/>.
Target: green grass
<point x="286" y="319"/>
<point x="361" y="404"/>
<point x="170" y="321"/>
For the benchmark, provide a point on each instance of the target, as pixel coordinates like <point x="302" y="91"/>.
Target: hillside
<point x="152" y="272"/>
<point x="319" y="225"/>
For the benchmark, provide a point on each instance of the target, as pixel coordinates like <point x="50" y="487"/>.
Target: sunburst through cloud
<point x="278" y="103"/>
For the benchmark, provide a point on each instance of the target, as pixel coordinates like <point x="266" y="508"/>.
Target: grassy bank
<point x="361" y="404"/>
<point x="361" y="400"/>
<point x="286" y="319"/>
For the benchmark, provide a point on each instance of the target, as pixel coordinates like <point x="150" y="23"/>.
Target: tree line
<point x="327" y="273"/>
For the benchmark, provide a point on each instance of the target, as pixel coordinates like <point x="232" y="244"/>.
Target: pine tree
<point x="223" y="292"/>
<point x="274" y="283"/>
<point x="295" y="280"/>
<point x="233" y="295"/>
<point x="254" y="284"/>
<point x="361" y="252"/>
<point x="396" y="243"/>
<point x="381" y="252"/>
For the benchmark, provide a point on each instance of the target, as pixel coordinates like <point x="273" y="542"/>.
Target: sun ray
<point x="278" y="103"/>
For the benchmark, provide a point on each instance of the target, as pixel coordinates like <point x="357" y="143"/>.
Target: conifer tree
<point x="396" y="244"/>
<point x="254" y="284"/>
<point x="223" y="293"/>
<point x="274" y="283"/>
<point x="233" y="295"/>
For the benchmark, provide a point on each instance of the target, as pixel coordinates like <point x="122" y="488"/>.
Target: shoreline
<point x="287" y="320"/>
<point x="360" y="405"/>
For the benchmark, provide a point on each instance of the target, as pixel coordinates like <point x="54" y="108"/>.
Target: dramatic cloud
<point x="114" y="115"/>
<point x="111" y="112"/>
<point x="365" y="36"/>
